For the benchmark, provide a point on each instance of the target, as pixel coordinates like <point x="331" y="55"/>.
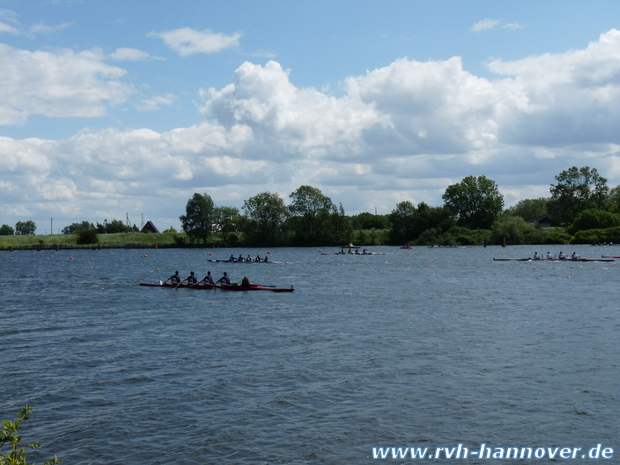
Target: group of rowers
<point x="247" y="259"/>
<point x="561" y="256"/>
<point x="357" y="252"/>
<point x="191" y="279"/>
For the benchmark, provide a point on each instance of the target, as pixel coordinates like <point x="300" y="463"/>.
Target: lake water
<point x="414" y="348"/>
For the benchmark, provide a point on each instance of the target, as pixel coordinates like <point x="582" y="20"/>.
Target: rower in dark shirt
<point x="208" y="279"/>
<point x="245" y="281"/>
<point x="175" y="278"/>
<point x="191" y="279"/>
<point x="224" y="279"/>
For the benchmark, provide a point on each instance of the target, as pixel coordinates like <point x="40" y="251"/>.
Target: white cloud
<point x="187" y="41"/>
<point x="129" y="54"/>
<point x="401" y="132"/>
<point x="485" y="25"/>
<point x="156" y="102"/>
<point x="39" y="83"/>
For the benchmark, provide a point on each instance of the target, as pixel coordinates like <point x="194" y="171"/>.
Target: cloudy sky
<point x="112" y="108"/>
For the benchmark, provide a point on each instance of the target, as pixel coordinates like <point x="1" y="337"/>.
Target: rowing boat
<point x="224" y="287"/>
<point x="611" y="256"/>
<point x="238" y="261"/>
<point x="555" y="259"/>
<point x="203" y="286"/>
<point x="350" y="248"/>
<point x="254" y="287"/>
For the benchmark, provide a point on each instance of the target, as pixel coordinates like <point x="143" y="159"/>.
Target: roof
<point x="149" y="227"/>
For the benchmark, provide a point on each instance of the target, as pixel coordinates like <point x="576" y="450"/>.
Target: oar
<point x="180" y="282"/>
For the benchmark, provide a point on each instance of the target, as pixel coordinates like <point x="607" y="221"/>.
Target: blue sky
<point x="109" y="108"/>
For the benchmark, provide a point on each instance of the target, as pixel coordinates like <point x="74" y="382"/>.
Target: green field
<point x="128" y="240"/>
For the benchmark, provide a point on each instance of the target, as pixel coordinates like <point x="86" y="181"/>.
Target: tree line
<point x="581" y="207"/>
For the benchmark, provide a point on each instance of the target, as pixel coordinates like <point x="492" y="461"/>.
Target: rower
<point x="257" y="258"/>
<point x="191" y="279"/>
<point x="561" y="256"/>
<point x="536" y="256"/>
<point x="208" y="279"/>
<point x="224" y="279"/>
<point x="549" y="256"/>
<point x="249" y="259"/>
<point x="245" y="281"/>
<point x="240" y="259"/>
<point x="232" y="258"/>
<point x="574" y="256"/>
<point x="175" y="278"/>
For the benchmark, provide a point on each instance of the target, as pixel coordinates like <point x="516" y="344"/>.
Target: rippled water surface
<point x="423" y="347"/>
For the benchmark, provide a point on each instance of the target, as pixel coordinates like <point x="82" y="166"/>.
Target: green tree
<point x="577" y="189"/>
<point x="529" y="209"/>
<point x="476" y="202"/>
<point x="593" y="219"/>
<point x="264" y="219"/>
<point x="10" y="434"/>
<point x="25" y="228"/>
<point x="315" y="219"/>
<point x="199" y="218"/>
<point x="6" y="230"/>
<point x="226" y="220"/>
<point x="402" y="221"/>
<point x="409" y="222"/>
<point x="88" y="236"/>
<point x="513" y="229"/>
<point x="76" y="228"/>
<point x="368" y="221"/>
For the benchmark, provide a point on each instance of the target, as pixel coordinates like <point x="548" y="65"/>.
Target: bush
<point x="88" y="236"/>
<point x="10" y="434"/>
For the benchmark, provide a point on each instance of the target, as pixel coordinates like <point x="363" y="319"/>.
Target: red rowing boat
<point x="180" y="286"/>
<point x="254" y="287"/>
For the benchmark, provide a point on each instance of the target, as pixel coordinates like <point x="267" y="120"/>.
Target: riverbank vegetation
<point x="581" y="209"/>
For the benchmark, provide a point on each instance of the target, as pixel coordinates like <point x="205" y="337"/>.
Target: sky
<point x="124" y="109"/>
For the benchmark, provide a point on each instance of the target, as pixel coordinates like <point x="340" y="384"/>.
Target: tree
<point x="87" y="236"/>
<point x="513" y="229"/>
<point x="402" y="221"/>
<point x="409" y="222"/>
<point x="6" y="230"/>
<point x="199" y="218"/>
<point x="264" y="219"/>
<point x="25" y="228"/>
<point x="368" y="221"/>
<point x="529" y="209"/>
<point x="226" y="220"/>
<point x="577" y="189"/>
<point x="76" y="228"/>
<point x="113" y="227"/>
<point x="313" y="216"/>
<point x="475" y="201"/>
<point x="594" y="219"/>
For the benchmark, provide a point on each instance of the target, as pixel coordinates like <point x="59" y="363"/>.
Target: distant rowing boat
<point x="239" y="261"/>
<point x="554" y="259"/>
<point x="224" y="287"/>
<point x="350" y="248"/>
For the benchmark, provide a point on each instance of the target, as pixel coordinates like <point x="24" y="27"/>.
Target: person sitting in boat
<point x="536" y="256"/>
<point x="224" y="279"/>
<point x="249" y="259"/>
<point x="240" y="259"/>
<point x="232" y="258"/>
<point x="561" y="256"/>
<point x="245" y="281"/>
<point x="549" y="256"/>
<point x="574" y="256"/>
<point x="191" y="279"/>
<point x="257" y="259"/>
<point x="208" y="279"/>
<point x="175" y="278"/>
<point x="365" y="252"/>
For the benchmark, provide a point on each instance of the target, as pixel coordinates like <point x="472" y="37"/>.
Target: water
<point x="423" y="347"/>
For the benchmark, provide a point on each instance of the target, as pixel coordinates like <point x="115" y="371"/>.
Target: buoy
<point x="70" y="258"/>
<point x="268" y="252"/>
<point x="210" y="253"/>
<point x="146" y="255"/>
<point x="321" y="251"/>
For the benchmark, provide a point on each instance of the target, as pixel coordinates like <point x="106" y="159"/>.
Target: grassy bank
<point x="105" y="241"/>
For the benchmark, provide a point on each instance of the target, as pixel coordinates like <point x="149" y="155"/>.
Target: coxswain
<point x="208" y="279"/>
<point x="191" y="279"/>
<point x="245" y="281"/>
<point x="175" y="278"/>
<point x="224" y="279"/>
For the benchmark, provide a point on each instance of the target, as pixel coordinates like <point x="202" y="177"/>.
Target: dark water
<point x="423" y="347"/>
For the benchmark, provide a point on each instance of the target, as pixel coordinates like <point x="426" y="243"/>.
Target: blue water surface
<point x="420" y="348"/>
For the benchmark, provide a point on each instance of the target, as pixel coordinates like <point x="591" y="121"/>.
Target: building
<point x="149" y="227"/>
